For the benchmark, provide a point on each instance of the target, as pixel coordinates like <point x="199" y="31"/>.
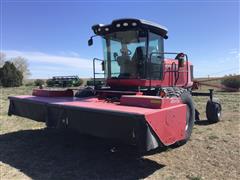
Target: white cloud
<point x="51" y="59"/>
<point x="218" y="66"/>
<point x="234" y="51"/>
<point x="44" y="65"/>
<point x="69" y="53"/>
<point x="48" y="64"/>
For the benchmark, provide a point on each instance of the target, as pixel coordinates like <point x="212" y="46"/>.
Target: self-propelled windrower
<point x="145" y="98"/>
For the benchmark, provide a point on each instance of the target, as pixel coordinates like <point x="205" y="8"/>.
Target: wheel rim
<point x="187" y="119"/>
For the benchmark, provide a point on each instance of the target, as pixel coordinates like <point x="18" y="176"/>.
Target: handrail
<point x="173" y="53"/>
<point x="150" y="73"/>
<point x="94" y="73"/>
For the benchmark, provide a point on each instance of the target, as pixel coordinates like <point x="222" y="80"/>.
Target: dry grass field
<point x="28" y="151"/>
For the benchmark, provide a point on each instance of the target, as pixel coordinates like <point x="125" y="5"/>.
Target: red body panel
<point x="52" y="93"/>
<point x="167" y="123"/>
<point x="169" y="78"/>
<point x="102" y="94"/>
<point x="154" y="102"/>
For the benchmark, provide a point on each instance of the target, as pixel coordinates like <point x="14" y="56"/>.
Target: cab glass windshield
<point x="125" y="54"/>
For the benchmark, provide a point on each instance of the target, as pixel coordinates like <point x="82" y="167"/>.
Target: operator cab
<point x="127" y="46"/>
<point x="134" y="56"/>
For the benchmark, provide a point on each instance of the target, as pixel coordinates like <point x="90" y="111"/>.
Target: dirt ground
<point x="28" y="151"/>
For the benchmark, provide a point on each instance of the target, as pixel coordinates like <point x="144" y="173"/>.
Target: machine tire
<point x="213" y="111"/>
<point x="187" y="99"/>
<point x="86" y="92"/>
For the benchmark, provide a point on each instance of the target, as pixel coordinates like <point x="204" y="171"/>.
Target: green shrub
<point x="39" y="82"/>
<point x="78" y="82"/>
<point x="232" y="81"/>
<point x="64" y="82"/>
<point x="98" y="82"/>
<point x="10" y="76"/>
<point x="29" y="84"/>
<point x="50" y="83"/>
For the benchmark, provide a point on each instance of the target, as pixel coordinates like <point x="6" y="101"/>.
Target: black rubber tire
<point x="213" y="111"/>
<point x="187" y="99"/>
<point x="86" y="92"/>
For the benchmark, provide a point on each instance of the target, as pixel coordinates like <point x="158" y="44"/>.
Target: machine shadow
<point x="203" y="122"/>
<point x="54" y="154"/>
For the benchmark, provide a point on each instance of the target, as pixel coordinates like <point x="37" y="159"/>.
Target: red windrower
<point x="144" y="99"/>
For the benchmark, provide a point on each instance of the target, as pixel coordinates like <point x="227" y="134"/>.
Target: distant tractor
<point x="144" y="100"/>
<point x="64" y="81"/>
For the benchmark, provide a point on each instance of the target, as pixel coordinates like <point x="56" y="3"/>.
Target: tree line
<point x="13" y="71"/>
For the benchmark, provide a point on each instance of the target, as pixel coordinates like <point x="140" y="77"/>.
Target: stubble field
<point x="28" y="151"/>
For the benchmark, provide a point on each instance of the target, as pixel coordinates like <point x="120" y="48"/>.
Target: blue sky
<point x="53" y="35"/>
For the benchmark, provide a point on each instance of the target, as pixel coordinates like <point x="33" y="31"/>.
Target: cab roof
<point x="129" y="24"/>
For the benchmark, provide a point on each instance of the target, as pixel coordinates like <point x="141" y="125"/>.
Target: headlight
<point x="134" y="24"/>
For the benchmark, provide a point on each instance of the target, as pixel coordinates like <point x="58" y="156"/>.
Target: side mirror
<point x="103" y="66"/>
<point x="180" y="58"/>
<point x="90" y="42"/>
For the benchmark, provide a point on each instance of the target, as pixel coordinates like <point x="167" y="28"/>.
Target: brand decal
<point x="174" y="101"/>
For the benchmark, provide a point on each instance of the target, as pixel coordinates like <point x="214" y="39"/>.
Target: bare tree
<point x="2" y="59"/>
<point x="21" y="64"/>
